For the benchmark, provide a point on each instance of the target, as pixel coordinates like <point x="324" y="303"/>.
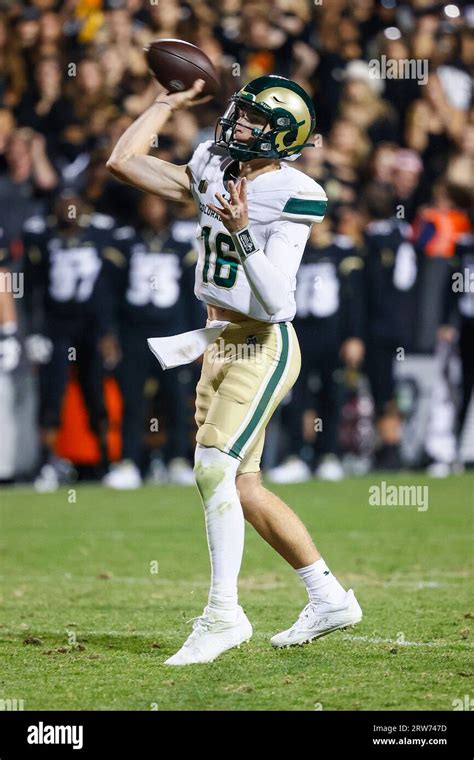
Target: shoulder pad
<point x="199" y="159"/>
<point x="35" y="224"/>
<point x="306" y="205"/>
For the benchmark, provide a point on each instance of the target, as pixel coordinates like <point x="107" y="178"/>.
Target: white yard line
<point x="404" y="643"/>
<point x="154" y="633"/>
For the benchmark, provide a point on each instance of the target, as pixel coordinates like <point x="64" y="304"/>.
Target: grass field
<point x="78" y="584"/>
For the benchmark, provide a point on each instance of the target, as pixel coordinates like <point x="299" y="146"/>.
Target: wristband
<point x="245" y="242"/>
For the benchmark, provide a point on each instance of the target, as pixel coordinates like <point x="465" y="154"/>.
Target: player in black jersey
<point x="149" y="281"/>
<point x="391" y="282"/>
<point x="459" y="325"/>
<point x="63" y="260"/>
<point x="330" y="324"/>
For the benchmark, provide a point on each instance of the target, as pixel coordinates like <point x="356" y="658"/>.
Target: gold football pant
<point x="245" y="375"/>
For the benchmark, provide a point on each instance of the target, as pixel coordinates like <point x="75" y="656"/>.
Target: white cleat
<point x="318" y="620"/>
<point x="330" y="468"/>
<point x="292" y="470"/>
<point x="47" y="481"/>
<point x="438" y="470"/>
<point x="180" y="472"/>
<point x="123" y="476"/>
<point x="211" y="636"/>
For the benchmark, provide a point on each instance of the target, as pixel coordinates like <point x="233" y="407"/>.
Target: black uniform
<point x="61" y="274"/>
<point x="460" y="313"/>
<point x="329" y="309"/>
<point x="391" y="281"/>
<point x="149" y="290"/>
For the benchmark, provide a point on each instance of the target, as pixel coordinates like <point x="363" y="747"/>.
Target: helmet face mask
<point x="289" y="120"/>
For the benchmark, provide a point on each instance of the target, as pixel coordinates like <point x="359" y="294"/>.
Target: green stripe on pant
<point x="267" y="394"/>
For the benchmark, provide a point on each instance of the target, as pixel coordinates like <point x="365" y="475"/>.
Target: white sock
<point x="321" y="584"/>
<point x="215" y="477"/>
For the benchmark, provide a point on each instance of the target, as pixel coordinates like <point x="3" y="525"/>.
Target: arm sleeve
<point x="271" y="274"/>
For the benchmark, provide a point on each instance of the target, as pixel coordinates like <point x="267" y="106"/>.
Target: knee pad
<point x="215" y="473"/>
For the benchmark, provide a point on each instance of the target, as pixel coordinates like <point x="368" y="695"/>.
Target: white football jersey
<point x="282" y="205"/>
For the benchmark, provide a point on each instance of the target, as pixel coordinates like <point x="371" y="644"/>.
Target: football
<point x="177" y="64"/>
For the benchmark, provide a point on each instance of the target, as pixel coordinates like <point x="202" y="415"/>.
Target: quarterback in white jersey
<point x="281" y="207"/>
<point x="255" y="213"/>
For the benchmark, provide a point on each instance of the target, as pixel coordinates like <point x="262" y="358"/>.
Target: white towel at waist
<point x="185" y="347"/>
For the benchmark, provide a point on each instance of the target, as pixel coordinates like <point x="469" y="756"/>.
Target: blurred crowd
<point x="394" y="151"/>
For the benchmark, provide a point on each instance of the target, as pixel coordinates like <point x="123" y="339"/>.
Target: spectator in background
<point x="87" y="91"/>
<point x="361" y="103"/>
<point x="264" y="48"/>
<point x="12" y="69"/>
<point x="400" y="91"/>
<point x="405" y="181"/>
<point x="26" y="181"/>
<point x="27" y="30"/>
<point x="345" y="153"/>
<point x="43" y="107"/>
<point x="433" y="127"/>
<point x="391" y="278"/>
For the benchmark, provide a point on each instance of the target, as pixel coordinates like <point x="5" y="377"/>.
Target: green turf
<point x="85" y="567"/>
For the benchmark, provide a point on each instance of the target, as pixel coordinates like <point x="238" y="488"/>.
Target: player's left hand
<point x="234" y="215"/>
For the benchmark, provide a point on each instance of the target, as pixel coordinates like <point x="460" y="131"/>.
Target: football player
<point x="137" y="259"/>
<point x="63" y="259"/>
<point x="255" y="213"/>
<point x="391" y="269"/>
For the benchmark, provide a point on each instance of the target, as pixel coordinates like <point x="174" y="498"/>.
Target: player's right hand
<point x="185" y="99"/>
